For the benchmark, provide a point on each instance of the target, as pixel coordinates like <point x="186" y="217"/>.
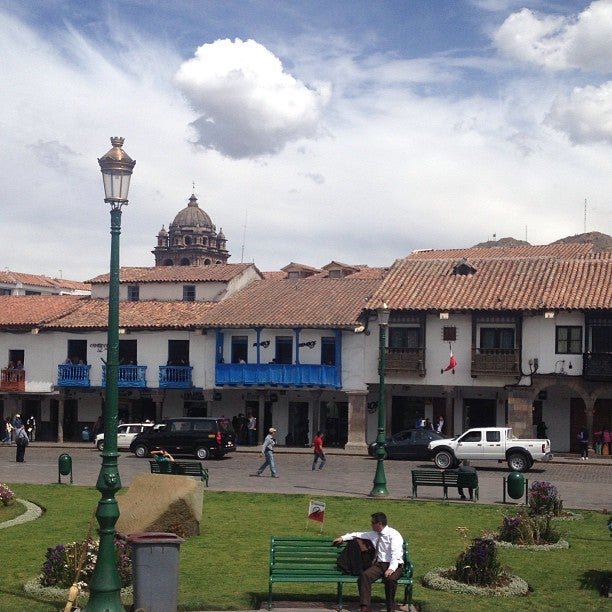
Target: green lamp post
<point x="379" y="488"/>
<point x="105" y="586"/>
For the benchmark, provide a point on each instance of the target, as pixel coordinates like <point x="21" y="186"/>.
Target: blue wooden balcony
<point x="73" y="375"/>
<point x="175" y="377"/>
<point x="130" y="376"/>
<point x="277" y="374"/>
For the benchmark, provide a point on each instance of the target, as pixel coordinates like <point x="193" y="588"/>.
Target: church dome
<point x="193" y="216"/>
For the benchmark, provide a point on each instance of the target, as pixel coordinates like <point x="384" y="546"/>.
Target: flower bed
<point x="440" y="579"/>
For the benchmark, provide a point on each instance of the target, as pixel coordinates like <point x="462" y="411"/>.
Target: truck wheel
<point x="444" y="459"/>
<point x="202" y="453"/>
<point x="100" y="445"/>
<point x="141" y="451"/>
<point x="518" y="462"/>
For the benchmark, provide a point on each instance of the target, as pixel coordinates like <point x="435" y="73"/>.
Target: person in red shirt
<point x="317" y="446"/>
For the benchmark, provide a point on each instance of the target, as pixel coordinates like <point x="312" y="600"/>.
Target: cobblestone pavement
<point x="581" y="484"/>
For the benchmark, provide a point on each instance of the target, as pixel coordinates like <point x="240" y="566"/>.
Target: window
<point x="449" y="333"/>
<point x="404" y="337"/>
<point x="128" y="353"/>
<point x="472" y="436"/>
<point x="284" y="349"/>
<point x="568" y="339"/>
<point x="239" y="349"/>
<point x="493" y="436"/>
<point x="328" y="351"/>
<point x="77" y="351"/>
<point x="133" y="293"/>
<point x="189" y="293"/>
<point x="601" y="339"/>
<point x="5" y="291"/>
<point x="178" y="352"/>
<point x="497" y="338"/>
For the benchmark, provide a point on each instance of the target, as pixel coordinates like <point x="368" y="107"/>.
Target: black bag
<point x="357" y="556"/>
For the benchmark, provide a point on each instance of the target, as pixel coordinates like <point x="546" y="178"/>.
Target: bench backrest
<point x="304" y="555"/>
<point x="433" y="476"/>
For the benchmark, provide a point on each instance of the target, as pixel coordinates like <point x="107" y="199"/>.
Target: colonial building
<point x="191" y="240"/>
<point x="529" y="330"/>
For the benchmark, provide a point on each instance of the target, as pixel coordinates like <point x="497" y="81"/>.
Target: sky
<point x="310" y="130"/>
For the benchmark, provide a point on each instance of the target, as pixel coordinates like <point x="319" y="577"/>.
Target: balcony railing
<point x="597" y="366"/>
<point x="71" y="375"/>
<point x="12" y="380"/>
<point x="495" y="362"/>
<point x="277" y="374"/>
<point x="405" y="361"/>
<point x="129" y="376"/>
<point x="175" y="377"/>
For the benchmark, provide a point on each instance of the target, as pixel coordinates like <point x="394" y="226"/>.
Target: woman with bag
<point x="22" y="440"/>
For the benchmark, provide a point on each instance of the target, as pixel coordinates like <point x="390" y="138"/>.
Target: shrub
<point x="528" y="529"/>
<point x="544" y="499"/>
<point x="6" y="495"/>
<point x="61" y="562"/>
<point x="478" y="564"/>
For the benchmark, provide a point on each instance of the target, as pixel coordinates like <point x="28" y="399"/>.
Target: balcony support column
<point x="357" y="421"/>
<point x="520" y="406"/>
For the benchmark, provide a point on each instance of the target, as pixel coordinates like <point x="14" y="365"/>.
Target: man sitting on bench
<point x="388" y="563"/>
<point x="162" y="456"/>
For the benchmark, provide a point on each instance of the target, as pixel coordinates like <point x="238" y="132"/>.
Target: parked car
<point x="125" y="434"/>
<point x="200" y="436"/>
<point x="491" y="443"/>
<point x="408" y="444"/>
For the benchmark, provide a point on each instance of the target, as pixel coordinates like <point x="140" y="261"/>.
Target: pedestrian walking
<point x="252" y="429"/>
<point x="583" y="439"/>
<point x="319" y="455"/>
<point x="22" y="440"/>
<point x="267" y="450"/>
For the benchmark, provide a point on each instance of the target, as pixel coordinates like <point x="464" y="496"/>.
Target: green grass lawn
<point x="226" y="568"/>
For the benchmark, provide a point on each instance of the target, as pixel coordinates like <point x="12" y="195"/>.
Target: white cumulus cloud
<point x="585" y="115"/>
<point x="582" y="41"/>
<point x="247" y="104"/>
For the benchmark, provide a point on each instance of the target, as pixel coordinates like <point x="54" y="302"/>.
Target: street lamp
<point x="105" y="586"/>
<point x="379" y="488"/>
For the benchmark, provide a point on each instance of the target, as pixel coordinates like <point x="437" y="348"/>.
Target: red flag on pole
<point x="452" y="364"/>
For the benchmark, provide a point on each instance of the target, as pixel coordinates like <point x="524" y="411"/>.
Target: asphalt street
<point x="581" y="484"/>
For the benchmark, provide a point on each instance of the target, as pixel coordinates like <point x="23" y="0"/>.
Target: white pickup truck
<point x="490" y="443"/>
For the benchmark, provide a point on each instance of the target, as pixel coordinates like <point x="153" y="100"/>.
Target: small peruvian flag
<point x="316" y="511"/>
<point x="452" y="364"/>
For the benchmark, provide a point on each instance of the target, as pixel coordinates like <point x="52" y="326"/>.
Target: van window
<point x="203" y="425"/>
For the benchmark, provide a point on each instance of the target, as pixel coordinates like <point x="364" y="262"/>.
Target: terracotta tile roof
<point x="306" y="302"/>
<point x="177" y="274"/>
<point x="547" y="250"/>
<point x="35" y="310"/>
<point x="93" y="314"/>
<point x="39" y="280"/>
<point x="361" y="273"/>
<point x="510" y="283"/>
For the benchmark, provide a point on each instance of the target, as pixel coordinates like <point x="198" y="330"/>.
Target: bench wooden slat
<point x="295" y="559"/>
<point x="444" y="479"/>
<point x="180" y="468"/>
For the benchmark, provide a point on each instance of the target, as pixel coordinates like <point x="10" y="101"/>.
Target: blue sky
<point x="313" y="130"/>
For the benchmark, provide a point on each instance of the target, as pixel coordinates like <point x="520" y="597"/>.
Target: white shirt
<point x="390" y="547"/>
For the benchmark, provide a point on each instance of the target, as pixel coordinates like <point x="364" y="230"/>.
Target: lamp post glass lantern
<point x="379" y="488"/>
<point x="105" y="585"/>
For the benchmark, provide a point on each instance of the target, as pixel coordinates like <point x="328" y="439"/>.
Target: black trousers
<point x="20" y="458"/>
<point x="375" y="571"/>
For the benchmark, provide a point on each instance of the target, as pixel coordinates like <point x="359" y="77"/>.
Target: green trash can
<point x="516" y="485"/>
<point x="64" y="467"/>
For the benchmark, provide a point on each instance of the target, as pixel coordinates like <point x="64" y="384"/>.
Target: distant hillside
<point x="601" y="242"/>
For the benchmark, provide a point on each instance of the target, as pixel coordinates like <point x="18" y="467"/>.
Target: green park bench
<point x="444" y="479"/>
<point x="180" y="468"/>
<point x="302" y="559"/>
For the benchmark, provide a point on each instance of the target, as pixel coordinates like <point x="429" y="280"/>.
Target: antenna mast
<point x="243" y="237"/>
<point x="585" y="214"/>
